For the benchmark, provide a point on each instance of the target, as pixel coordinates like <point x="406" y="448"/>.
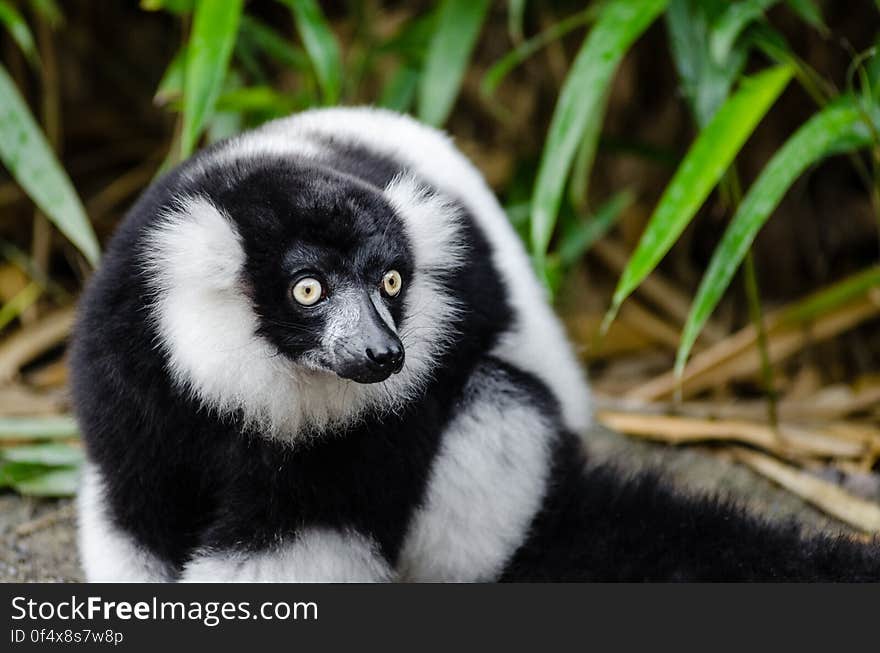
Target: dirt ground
<point x="38" y="539"/>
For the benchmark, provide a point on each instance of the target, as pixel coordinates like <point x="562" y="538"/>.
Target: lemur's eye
<point x="391" y="283"/>
<point x="307" y="291"/>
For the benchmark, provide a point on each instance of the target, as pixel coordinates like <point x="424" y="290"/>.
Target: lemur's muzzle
<point x="374" y="352"/>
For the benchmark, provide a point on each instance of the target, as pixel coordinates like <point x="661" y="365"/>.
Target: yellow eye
<point x="307" y="291"/>
<point x="391" y="283"/>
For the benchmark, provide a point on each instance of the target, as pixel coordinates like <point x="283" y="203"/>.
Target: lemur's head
<point x="300" y="297"/>
<point x="327" y="267"/>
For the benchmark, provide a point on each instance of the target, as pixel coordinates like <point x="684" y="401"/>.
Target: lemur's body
<point x="236" y="434"/>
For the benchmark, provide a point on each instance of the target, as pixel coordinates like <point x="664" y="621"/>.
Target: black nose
<point x="387" y="358"/>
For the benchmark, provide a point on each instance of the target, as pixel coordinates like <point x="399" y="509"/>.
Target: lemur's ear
<point x="194" y="245"/>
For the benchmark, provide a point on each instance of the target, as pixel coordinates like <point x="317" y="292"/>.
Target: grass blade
<point x="28" y="156"/>
<point x="579" y="186"/>
<point x="839" y="126"/>
<point x="458" y="25"/>
<point x="832" y="297"/>
<point x="809" y="11"/>
<point x="178" y="7"/>
<point x="54" y="483"/>
<point x="774" y="45"/>
<point x="706" y="83"/>
<point x="410" y="43"/>
<point x="578" y="240"/>
<point x="273" y="44"/>
<point x="19" y="31"/>
<point x="702" y="168"/>
<point x="215" y="26"/>
<point x="320" y="45"/>
<point x="526" y="49"/>
<point x="619" y="24"/>
<point x="400" y="91"/>
<point x="12" y="473"/>
<point x="37" y="428"/>
<point x="52" y="454"/>
<point x="222" y="124"/>
<point x="49" y="11"/>
<point x="170" y="87"/>
<point x="261" y="99"/>
<point x="516" y="11"/>
<point x="731" y="24"/>
<point x="19" y="303"/>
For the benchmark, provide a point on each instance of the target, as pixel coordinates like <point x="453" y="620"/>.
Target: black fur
<point x="598" y="525"/>
<point x="181" y="477"/>
<point x="307" y="221"/>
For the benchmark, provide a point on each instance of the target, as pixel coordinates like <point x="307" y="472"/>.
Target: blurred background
<point x="697" y="181"/>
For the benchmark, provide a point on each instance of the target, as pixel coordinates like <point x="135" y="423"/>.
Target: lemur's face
<point x="296" y="297"/>
<point x="330" y="287"/>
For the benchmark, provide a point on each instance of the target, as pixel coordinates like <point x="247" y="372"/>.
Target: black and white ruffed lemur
<point x="317" y="352"/>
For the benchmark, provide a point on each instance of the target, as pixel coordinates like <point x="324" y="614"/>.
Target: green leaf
<point x="516" y="10"/>
<point x="264" y="99"/>
<point x="551" y="274"/>
<point x="579" y="188"/>
<point x="872" y="70"/>
<point x="839" y="127"/>
<point x="20" y="303"/>
<point x="702" y="168"/>
<point x="547" y="270"/>
<point x="37" y="428"/>
<point x="584" y="234"/>
<point x="27" y="265"/>
<point x="246" y="59"/>
<point x="619" y="24"/>
<point x="223" y="124"/>
<point x="411" y="41"/>
<point x="321" y="46"/>
<point x="53" y="454"/>
<point x="731" y="24"/>
<point x="273" y="44"/>
<point x="776" y="48"/>
<point x="178" y="7"/>
<point x="526" y="49"/>
<point x="215" y="26"/>
<point x="458" y="25"/>
<point x="55" y="483"/>
<point x="831" y="297"/>
<point x="29" y="158"/>
<point x="400" y="91"/>
<point x="518" y="214"/>
<point x="170" y="86"/>
<point x="49" y="11"/>
<point x="656" y="154"/>
<point x="706" y="82"/>
<point x="12" y="473"/>
<point x="19" y="31"/>
<point x="809" y="11"/>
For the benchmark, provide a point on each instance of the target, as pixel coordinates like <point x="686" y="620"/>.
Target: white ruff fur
<point x="207" y="324"/>
<point x="486" y="485"/>
<point x="537" y="341"/>
<point x="108" y="555"/>
<point x="315" y="556"/>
